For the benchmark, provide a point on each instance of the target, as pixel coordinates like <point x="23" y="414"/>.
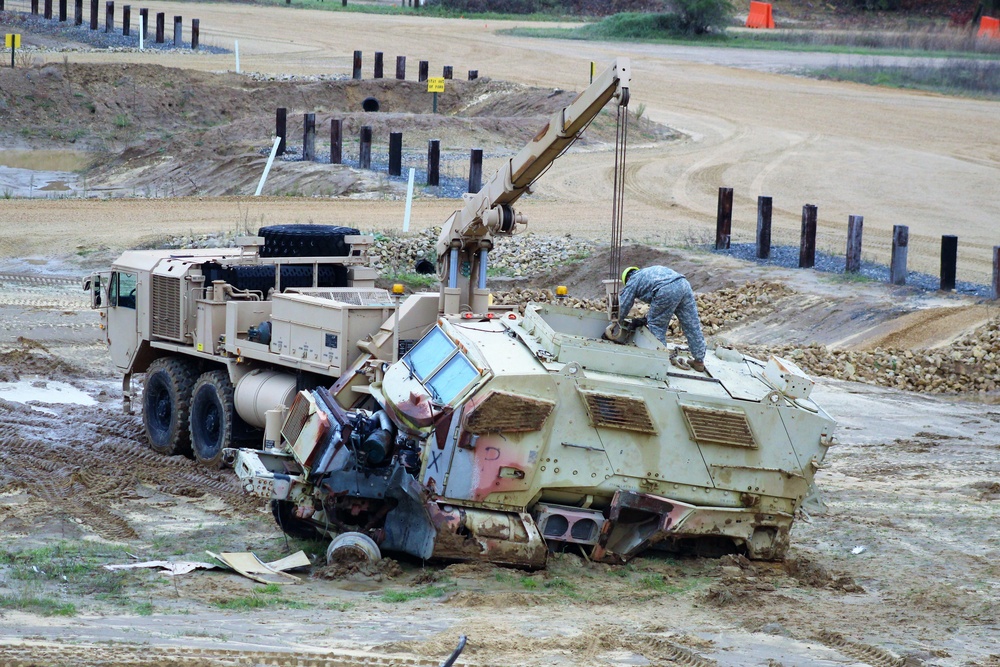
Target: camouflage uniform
<point x="667" y="293"/>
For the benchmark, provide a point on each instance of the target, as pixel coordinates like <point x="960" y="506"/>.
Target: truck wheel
<point x="304" y="240"/>
<point x="283" y="512"/>
<point x="166" y="397"/>
<point x="212" y="415"/>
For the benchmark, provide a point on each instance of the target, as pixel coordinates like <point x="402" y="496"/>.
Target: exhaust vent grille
<point x="353" y="297"/>
<point x="166" y="307"/>
<point x="713" y="426"/>
<point x="504" y="412"/>
<point x="298" y="415"/>
<point x="617" y="411"/>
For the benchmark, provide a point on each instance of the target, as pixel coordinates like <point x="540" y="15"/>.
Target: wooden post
<point x="178" y="31"/>
<point x="34" y="7"/>
<point x="336" y="141"/>
<point x="995" y="287"/>
<point x="127" y="21"/>
<point x="161" y="20"/>
<point x="473" y="74"/>
<point x="949" y="261"/>
<point x="280" y="128"/>
<point x="422" y="70"/>
<point x="47" y="12"/>
<point x="93" y="12"/>
<point x="365" y="152"/>
<point x="401" y="68"/>
<point x="855" y="226"/>
<point x="343" y="3"/>
<point x="62" y="11"/>
<point x="476" y="170"/>
<point x="195" y="32"/>
<point x="357" y="66"/>
<point x="378" y="65"/>
<point x="897" y="263"/>
<point x="144" y="23"/>
<point x="447" y="72"/>
<point x="78" y="12"/>
<point x="807" y="241"/>
<point x="724" y="219"/>
<point x="433" y="162"/>
<point x="395" y="153"/>
<point x="109" y="16"/>
<point x="309" y="137"/>
<point x="763" y="227"/>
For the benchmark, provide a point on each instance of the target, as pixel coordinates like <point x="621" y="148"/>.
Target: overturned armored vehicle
<point x="467" y="431"/>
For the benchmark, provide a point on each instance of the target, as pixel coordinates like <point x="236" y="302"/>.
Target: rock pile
<point x="521" y="255"/>
<point x="970" y="365"/>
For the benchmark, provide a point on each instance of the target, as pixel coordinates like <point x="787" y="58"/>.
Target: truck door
<point x="123" y="320"/>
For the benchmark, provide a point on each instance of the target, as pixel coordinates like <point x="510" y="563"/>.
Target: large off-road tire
<point x="283" y="512"/>
<point x="211" y="417"/>
<point x="304" y="240"/>
<point x="166" y="398"/>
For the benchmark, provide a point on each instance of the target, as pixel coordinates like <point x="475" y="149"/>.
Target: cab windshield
<point x="440" y="366"/>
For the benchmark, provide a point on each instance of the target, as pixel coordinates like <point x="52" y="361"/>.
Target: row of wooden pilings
<point x="855" y="224"/>
<point x="109" y="19"/>
<point x="378" y="68"/>
<point x="365" y="149"/>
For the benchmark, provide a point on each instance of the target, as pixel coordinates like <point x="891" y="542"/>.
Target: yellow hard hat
<point x="628" y="271"/>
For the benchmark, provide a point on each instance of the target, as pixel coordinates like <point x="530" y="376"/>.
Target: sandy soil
<point x="895" y="157"/>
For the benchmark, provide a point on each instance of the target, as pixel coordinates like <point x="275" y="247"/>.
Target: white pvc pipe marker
<point x="236" y="48"/>
<point x="409" y="202"/>
<point x="267" y="169"/>
<point x="142" y="29"/>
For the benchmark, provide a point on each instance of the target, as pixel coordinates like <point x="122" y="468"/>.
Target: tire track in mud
<point x="866" y="653"/>
<point x="121" y="656"/>
<point x="83" y="462"/>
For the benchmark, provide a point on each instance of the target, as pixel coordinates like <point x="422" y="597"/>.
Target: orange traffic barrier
<point x="989" y="27"/>
<point x="760" y="15"/>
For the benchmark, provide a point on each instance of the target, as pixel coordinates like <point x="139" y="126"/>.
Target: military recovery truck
<point x="445" y="427"/>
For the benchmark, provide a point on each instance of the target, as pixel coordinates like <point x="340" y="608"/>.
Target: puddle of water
<point x="44" y="391"/>
<point x="40" y="173"/>
<point x="53" y="160"/>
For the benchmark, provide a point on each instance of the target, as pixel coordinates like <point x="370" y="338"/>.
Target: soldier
<point x="668" y="293"/>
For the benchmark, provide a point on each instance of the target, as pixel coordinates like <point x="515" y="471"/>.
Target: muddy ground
<point x="899" y="570"/>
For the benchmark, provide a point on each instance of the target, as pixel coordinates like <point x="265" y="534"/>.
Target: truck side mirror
<point x="92" y="284"/>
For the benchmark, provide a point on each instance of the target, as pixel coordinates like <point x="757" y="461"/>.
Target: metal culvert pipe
<point x="370" y="104"/>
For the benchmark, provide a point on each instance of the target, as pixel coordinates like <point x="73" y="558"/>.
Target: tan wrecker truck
<point x="444" y="427"/>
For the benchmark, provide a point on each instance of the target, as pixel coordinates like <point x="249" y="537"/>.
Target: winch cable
<point x="618" y="199"/>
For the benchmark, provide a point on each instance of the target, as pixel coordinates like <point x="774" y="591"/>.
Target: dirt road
<point x="896" y="157"/>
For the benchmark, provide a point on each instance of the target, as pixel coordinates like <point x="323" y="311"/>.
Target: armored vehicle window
<point x="453" y="378"/>
<point x="429" y="353"/>
<point x="123" y="289"/>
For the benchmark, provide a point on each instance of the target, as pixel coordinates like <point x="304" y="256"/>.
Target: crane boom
<point x="468" y="233"/>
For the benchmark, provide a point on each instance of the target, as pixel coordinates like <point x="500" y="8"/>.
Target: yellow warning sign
<point x="435" y="84"/>
<point x="14" y="41"/>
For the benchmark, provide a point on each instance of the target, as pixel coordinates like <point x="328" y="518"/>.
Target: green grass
<point x="43" y="606"/>
<point x="663" y="29"/>
<point x="144" y="609"/>
<point x="979" y="78"/>
<point x="654" y="582"/>
<point x="261" y="597"/>
<point x="415" y="281"/>
<point x="406" y="596"/>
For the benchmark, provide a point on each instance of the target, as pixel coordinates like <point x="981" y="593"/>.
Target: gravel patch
<point x="98" y="39"/>
<point x="788" y="257"/>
